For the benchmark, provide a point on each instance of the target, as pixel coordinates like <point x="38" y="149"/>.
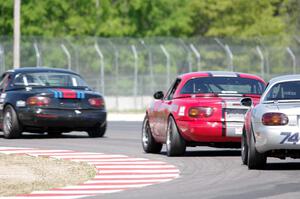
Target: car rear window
<point x="49" y="79"/>
<point x="224" y="85"/>
<point x="284" y="91"/>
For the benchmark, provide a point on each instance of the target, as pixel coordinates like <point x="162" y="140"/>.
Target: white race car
<point x="272" y="126"/>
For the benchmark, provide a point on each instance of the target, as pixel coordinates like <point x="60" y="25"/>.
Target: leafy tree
<point x="241" y="18"/>
<point x="144" y="18"/>
<point x="6" y="15"/>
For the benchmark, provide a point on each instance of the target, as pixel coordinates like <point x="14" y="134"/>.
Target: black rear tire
<point x="148" y="142"/>
<point x="11" y="125"/>
<point x="175" y="143"/>
<point x="244" y="149"/>
<point x="256" y="160"/>
<point x="98" y="130"/>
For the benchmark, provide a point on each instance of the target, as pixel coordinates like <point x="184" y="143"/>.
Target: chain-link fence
<point x="129" y="70"/>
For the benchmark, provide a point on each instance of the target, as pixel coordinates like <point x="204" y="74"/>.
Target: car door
<point x="3" y="84"/>
<point x="166" y="108"/>
<point x="154" y="117"/>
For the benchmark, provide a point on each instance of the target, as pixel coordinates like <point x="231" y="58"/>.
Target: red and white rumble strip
<point x="114" y="173"/>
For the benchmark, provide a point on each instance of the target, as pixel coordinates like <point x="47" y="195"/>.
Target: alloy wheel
<point x="169" y="132"/>
<point x="7" y="122"/>
<point x="146" y="134"/>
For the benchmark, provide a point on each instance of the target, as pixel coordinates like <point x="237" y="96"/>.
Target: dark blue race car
<point x="55" y="101"/>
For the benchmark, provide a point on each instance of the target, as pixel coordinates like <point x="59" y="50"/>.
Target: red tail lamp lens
<point x="38" y="101"/>
<point x="274" y="119"/>
<point x="96" y="102"/>
<point x="201" y="112"/>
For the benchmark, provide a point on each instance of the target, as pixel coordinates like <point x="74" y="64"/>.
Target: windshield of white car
<point x="223" y="86"/>
<point x="284" y="91"/>
<point x="48" y="79"/>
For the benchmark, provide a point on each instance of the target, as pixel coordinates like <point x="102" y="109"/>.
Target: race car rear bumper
<point x="203" y="131"/>
<point x="61" y="118"/>
<point x="276" y="138"/>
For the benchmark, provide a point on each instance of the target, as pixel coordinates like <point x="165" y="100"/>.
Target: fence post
<point x="67" y="54"/>
<point x="101" y="67"/>
<point x="2" y="58"/>
<point x="291" y="53"/>
<point x="37" y="54"/>
<point x="262" y="61"/>
<point x="228" y="53"/>
<point x="188" y="55"/>
<point x="17" y="34"/>
<point x="135" y="87"/>
<point x="198" y="56"/>
<point x="267" y="63"/>
<point x="150" y="65"/>
<point x="75" y="59"/>
<point x="167" y="55"/>
<point x="266" y="59"/>
<point x="116" y="55"/>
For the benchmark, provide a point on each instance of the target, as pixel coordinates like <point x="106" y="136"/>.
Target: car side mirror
<point x="247" y="102"/>
<point x="158" y="95"/>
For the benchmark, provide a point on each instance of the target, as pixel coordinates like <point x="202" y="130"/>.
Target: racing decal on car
<point x="3" y="96"/>
<point x="67" y="93"/>
<point x="289" y="138"/>
<point x="20" y="103"/>
<point x="181" y="111"/>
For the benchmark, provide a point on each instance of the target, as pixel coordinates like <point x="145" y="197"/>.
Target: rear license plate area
<point x="69" y="103"/>
<point x="235" y="114"/>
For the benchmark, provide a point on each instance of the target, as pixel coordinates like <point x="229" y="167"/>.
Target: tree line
<point x="147" y="18"/>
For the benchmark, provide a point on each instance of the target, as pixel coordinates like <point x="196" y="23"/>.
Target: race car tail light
<point x="96" y="102"/>
<point x="200" y="112"/>
<point x="38" y="101"/>
<point x="274" y="119"/>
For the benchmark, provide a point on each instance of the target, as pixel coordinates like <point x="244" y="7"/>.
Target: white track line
<point x="94" y="187"/>
<point x="129" y="163"/>
<point x="140" y="176"/>
<point x="139" y="171"/>
<point x="88" y="157"/>
<point x="108" y="160"/>
<point x="13" y="148"/>
<point x="48" y="197"/>
<point x="129" y="181"/>
<point x="134" y="166"/>
<point x="63" y="153"/>
<point x="74" y="192"/>
<point x="26" y="151"/>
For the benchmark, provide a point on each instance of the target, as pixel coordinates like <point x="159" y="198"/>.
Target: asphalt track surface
<point x="204" y="172"/>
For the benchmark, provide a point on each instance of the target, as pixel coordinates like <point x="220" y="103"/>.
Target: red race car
<point x="200" y="108"/>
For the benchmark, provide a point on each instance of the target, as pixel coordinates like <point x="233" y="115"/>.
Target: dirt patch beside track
<point x="23" y="174"/>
